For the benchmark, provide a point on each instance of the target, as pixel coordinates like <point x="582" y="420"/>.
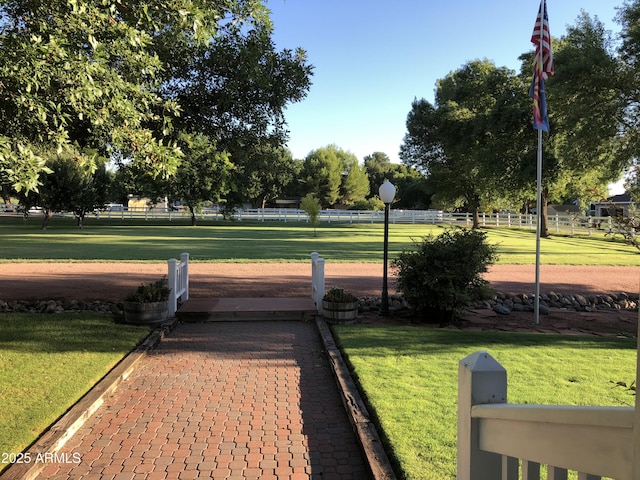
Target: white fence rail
<point x="497" y="440"/>
<point x="178" y="277"/>
<point x="557" y="223"/>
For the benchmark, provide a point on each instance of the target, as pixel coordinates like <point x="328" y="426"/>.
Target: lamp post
<point x="386" y="192"/>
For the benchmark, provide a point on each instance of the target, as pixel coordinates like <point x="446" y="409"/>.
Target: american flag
<point x="542" y="67"/>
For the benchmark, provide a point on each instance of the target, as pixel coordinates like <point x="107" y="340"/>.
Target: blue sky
<point x="372" y="58"/>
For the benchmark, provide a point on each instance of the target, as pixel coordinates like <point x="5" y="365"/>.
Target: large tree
<point x="450" y="140"/>
<point x="70" y="184"/>
<point x="355" y="181"/>
<point x="235" y="90"/>
<point x="334" y="176"/>
<point x="263" y="173"/>
<point x="77" y="73"/>
<point x="322" y="175"/>
<point x="629" y="52"/>
<point x="581" y="153"/>
<point x="202" y="176"/>
<point x="411" y="186"/>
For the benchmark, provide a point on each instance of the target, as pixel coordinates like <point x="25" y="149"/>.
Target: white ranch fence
<point x="557" y="223"/>
<point x="497" y="440"/>
<point x="178" y="277"/>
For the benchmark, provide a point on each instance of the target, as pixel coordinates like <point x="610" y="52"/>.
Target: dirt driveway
<point x="112" y="281"/>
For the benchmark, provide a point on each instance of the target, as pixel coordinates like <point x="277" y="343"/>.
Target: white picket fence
<point x="497" y="440"/>
<point x="178" y="277"/>
<point x="557" y="223"/>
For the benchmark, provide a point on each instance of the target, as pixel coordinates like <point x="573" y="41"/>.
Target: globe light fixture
<point x="387" y="193"/>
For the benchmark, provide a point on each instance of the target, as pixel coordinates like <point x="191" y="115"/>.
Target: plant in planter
<point x="149" y="304"/>
<point x="339" y="306"/>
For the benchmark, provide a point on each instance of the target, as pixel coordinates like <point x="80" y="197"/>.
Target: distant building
<point x="291" y="201"/>
<point x="563" y="210"/>
<point x="612" y="206"/>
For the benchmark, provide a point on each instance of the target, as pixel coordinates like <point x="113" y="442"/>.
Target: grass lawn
<point x="409" y="376"/>
<point x="47" y="362"/>
<point x="117" y="240"/>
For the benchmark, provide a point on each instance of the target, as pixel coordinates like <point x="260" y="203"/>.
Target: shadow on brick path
<point x="222" y="400"/>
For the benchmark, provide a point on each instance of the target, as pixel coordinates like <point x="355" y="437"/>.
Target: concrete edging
<point x="356" y="410"/>
<point x="55" y="437"/>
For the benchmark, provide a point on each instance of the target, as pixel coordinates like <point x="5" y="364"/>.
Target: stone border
<point x="53" y="439"/>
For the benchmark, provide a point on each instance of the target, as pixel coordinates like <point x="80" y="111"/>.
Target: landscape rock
<point x="501" y="303"/>
<point x="501" y="309"/>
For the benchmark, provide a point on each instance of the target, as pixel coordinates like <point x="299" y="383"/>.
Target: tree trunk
<point x="544" y="213"/>
<point x="47" y="216"/>
<point x="194" y="220"/>
<point x="474" y="207"/>
<point x="6" y="195"/>
<point x="476" y="218"/>
<point x="80" y="220"/>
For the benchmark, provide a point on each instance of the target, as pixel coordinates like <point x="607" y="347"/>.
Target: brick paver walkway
<point x="225" y="401"/>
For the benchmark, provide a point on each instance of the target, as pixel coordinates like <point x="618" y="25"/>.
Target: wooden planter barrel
<point x="150" y="313"/>
<point x="340" y="312"/>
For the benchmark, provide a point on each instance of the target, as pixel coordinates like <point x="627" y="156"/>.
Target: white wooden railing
<point x="317" y="280"/>
<point x="178" y="277"/>
<point x="497" y="440"/>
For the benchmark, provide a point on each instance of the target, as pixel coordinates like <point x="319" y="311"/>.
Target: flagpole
<point x="536" y="303"/>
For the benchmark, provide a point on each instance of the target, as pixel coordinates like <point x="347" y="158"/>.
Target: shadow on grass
<point x="54" y="333"/>
<point x="384" y="341"/>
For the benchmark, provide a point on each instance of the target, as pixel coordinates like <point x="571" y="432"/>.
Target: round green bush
<point x="442" y="275"/>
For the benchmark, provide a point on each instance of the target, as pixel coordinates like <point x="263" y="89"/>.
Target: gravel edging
<point x="502" y="303"/>
<point x="505" y="303"/>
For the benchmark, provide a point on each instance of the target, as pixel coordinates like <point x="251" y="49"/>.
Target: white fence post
<point x="184" y="259"/>
<point x="178" y="277"/>
<point x="317" y="280"/>
<point x="481" y="379"/>
<point x="172" y="264"/>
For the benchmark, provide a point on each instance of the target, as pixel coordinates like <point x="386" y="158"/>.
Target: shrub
<point x="373" y="203"/>
<point x="442" y="275"/>
<point x="338" y="295"/>
<point x="150" y="292"/>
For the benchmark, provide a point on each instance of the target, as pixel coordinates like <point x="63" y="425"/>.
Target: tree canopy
<point x="110" y="76"/>
<point x="476" y="144"/>
<point x="451" y="141"/>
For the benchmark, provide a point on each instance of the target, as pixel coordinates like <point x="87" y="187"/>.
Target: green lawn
<point x="47" y="362"/>
<point x="409" y="376"/>
<point x="117" y="240"/>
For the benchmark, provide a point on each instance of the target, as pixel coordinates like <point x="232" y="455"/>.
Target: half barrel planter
<point x="339" y="312"/>
<point x="150" y="313"/>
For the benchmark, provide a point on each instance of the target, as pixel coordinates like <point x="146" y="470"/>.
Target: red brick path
<point x="224" y="401"/>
